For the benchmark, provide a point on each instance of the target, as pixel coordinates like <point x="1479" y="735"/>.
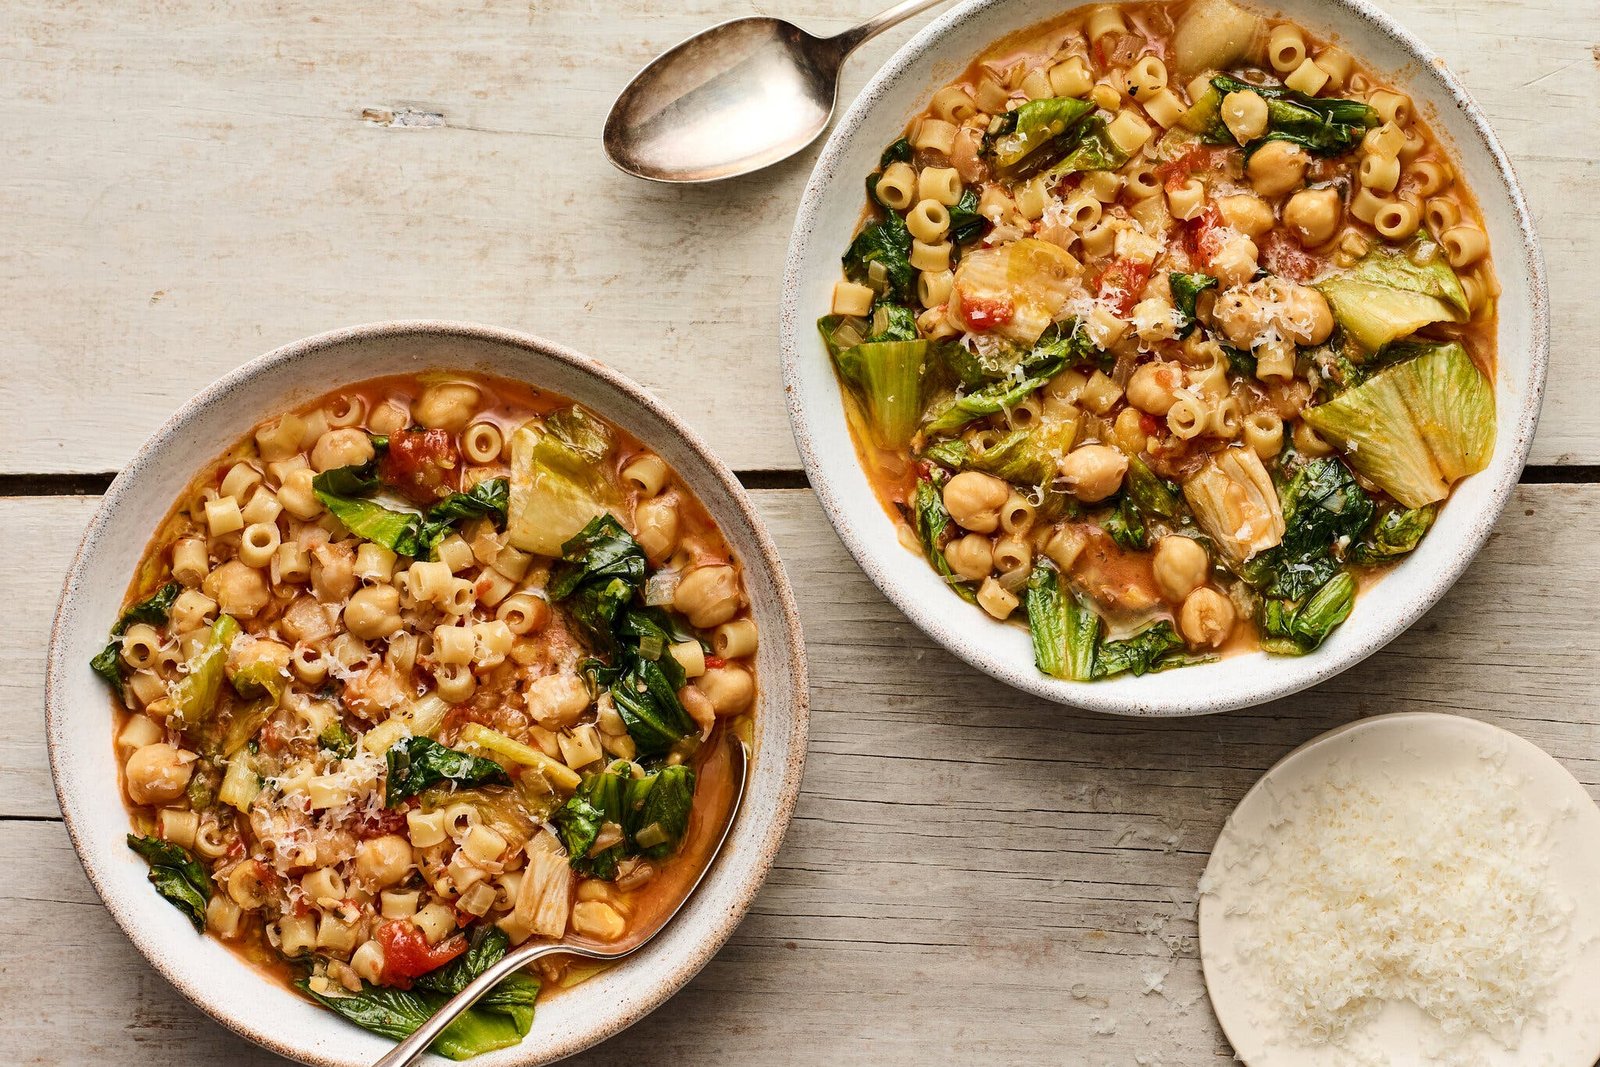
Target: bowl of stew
<point x="401" y="646"/>
<point x="1164" y="357"/>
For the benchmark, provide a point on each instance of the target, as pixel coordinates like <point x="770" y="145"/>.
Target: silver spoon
<point x="734" y="98"/>
<point x="412" y="1047"/>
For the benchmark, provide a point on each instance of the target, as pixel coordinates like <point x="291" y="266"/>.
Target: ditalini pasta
<point x="423" y="670"/>
<point x="1166" y="328"/>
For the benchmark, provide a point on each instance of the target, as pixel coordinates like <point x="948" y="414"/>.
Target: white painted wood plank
<point x="963" y="858"/>
<point x="189" y="183"/>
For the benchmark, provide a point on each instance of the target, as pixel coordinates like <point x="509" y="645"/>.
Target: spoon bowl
<point x="733" y="99"/>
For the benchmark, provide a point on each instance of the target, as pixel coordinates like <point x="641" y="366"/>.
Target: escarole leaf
<point x="405" y="533"/>
<point x="1393" y="291"/>
<point x="955" y="412"/>
<point x="560" y="480"/>
<point x="601" y="569"/>
<point x="1065" y="631"/>
<point x="488" y="498"/>
<point x="899" y="151"/>
<point x="1322" y="504"/>
<point x="1288" y="629"/>
<point x="1156" y="648"/>
<point x="598" y="801"/>
<point x="892" y="322"/>
<point x="177" y="875"/>
<point x="601" y="551"/>
<point x="1394" y="534"/>
<point x="1094" y="150"/>
<point x="886" y="242"/>
<point x="358" y="480"/>
<point x="932" y="523"/>
<point x="195" y="696"/>
<point x="658" y="810"/>
<point x="514" y="996"/>
<point x="153" y="610"/>
<point x="966" y="224"/>
<point x="646" y="697"/>
<point x="888" y="379"/>
<point x="1186" y="289"/>
<point x="1024" y="131"/>
<point x="1323" y="126"/>
<point x="415" y="763"/>
<point x="1416" y="427"/>
<point x="1016" y="458"/>
<point x="1061" y="344"/>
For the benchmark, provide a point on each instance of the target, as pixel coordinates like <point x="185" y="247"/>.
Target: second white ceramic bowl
<point x="78" y="709"/>
<point x="827" y="218"/>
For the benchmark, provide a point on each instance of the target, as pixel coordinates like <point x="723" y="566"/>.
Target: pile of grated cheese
<point x="1429" y="891"/>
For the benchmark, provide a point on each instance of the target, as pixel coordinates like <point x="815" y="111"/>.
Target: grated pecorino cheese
<point x="1435" y="892"/>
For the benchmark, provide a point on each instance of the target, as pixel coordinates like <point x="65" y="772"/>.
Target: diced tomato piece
<point x="1283" y="256"/>
<point x="422" y="464"/>
<point x="1202" y="235"/>
<point x="1121" y="283"/>
<point x="407" y="954"/>
<point x="1198" y="158"/>
<point x="713" y="662"/>
<point x="982" y="315"/>
<point x="1149" y="423"/>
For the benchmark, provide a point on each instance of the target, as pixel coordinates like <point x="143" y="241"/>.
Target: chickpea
<point x="597" y="919"/>
<point x="1206" y="618"/>
<point x="448" y="406"/>
<point x="556" y="700"/>
<point x="1313" y="216"/>
<point x="239" y="590"/>
<point x="373" y="612"/>
<point x="730" y="689"/>
<point x="1153" y="387"/>
<point x="1276" y="167"/>
<point x="1235" y="262"/>
<point x="1094" y="472"/>
<point x="972" y="557"/>
<point x="1180" y="566"/>
<point x="708" y="596"/>
<point x="1309" y="320"/>
<point x="699" y="708"/>
<point x="384" y="861"/>
<point x="1245" y="115"/>
<point x="348" y="447"/>
<point x="333" y="572"/>
<point x="1238" y="315"/>
<point x="258" y="658"/>
<point x="974" y="500"/>
<point x="158" y="774"/>
<point x="1250" y="215"/>
<point x="657" y="523"/>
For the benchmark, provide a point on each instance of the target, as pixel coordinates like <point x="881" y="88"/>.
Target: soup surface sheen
<point x="1167" y="329"/>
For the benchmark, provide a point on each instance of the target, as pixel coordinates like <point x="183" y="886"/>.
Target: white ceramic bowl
<point x="830" y="208"/>
<point x="78" y="711"/>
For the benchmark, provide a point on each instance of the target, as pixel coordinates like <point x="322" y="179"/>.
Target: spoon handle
<point x="853" y="38"/>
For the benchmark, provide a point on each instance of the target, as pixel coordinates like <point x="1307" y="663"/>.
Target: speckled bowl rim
<point x="755" y="866"/>
<point x="1236" y="691"/>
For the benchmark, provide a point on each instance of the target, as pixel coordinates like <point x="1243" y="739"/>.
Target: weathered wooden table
<point x="186" y="183"/>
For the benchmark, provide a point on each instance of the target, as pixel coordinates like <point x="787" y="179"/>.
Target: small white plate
<point x="1407" y="745"/>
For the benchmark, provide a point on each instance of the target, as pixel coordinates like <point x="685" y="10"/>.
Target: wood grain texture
<point x="971" y="873"/>
<point x="189" y="183"/>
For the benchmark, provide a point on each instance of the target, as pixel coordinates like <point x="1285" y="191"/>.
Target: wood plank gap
<point x="55" y="484"/>
<point x="1552" y="474"/>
